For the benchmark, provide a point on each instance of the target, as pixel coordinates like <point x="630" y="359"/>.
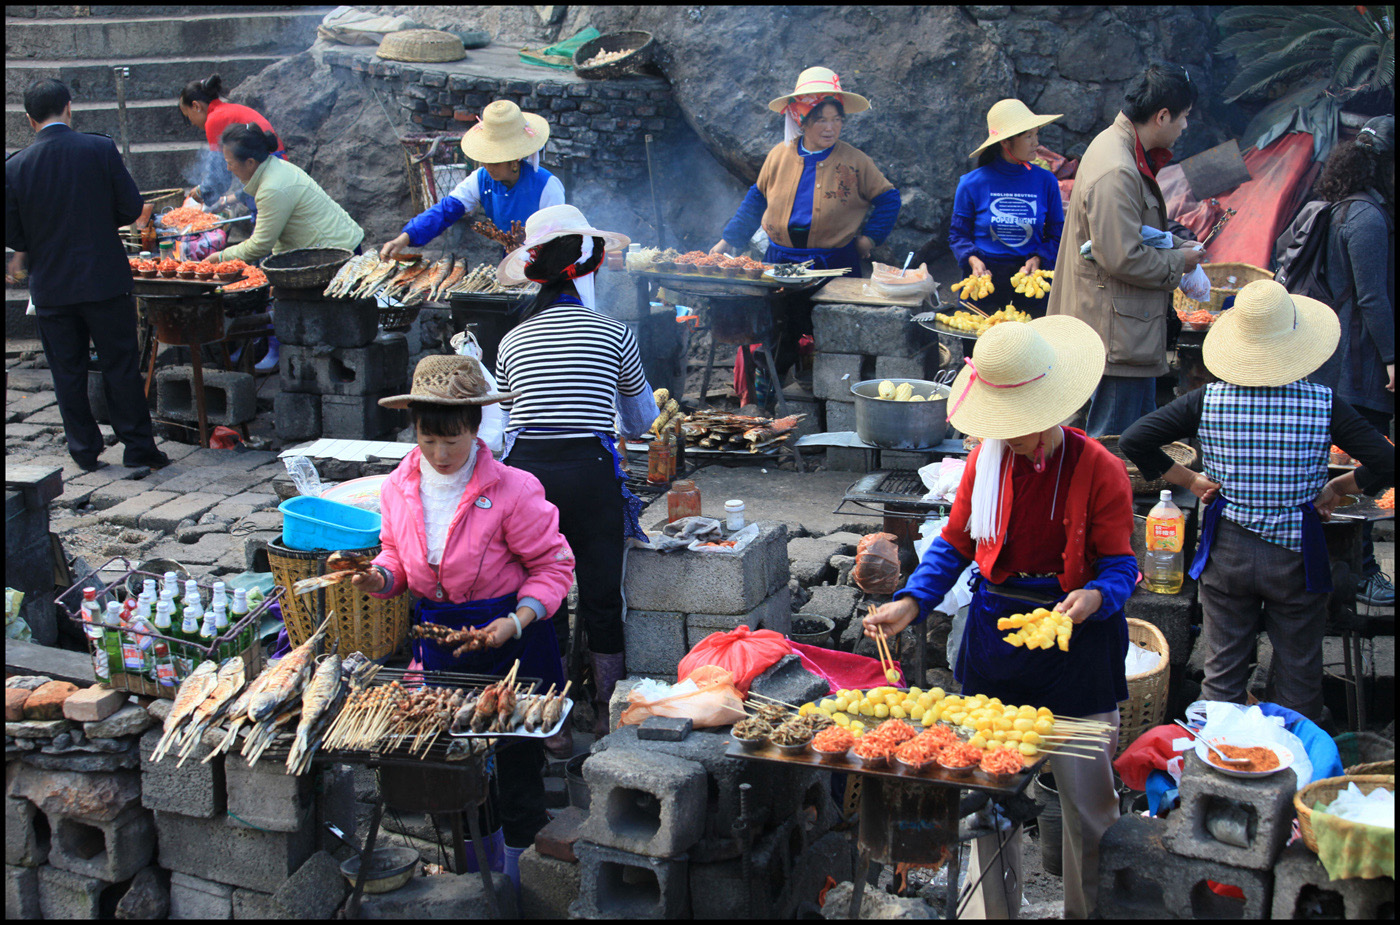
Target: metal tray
<point x="704" y="284"/>
<point x="1363" y="509"/>
<point x="939" y="328"/>
<point x="141" y="285"/>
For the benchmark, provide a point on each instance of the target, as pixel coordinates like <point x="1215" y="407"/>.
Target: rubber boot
<point x="561" y="744"/>
<point x="607" y="671"/>
<point x="269" y="362"/>
<point x="513" y="868"/>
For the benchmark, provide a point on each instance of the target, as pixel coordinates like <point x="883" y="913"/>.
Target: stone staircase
<point x="164" y="47"/>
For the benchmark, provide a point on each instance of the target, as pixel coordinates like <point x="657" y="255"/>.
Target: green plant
<point x="1354" y="46"/>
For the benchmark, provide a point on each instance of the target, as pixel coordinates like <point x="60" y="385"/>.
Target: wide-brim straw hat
<point x="546" y="225"/>
<point x="821" y="81"/>
<point x="448" y="380"/>
<point x="1270" y="336"/>
<point x="504" y="133"/>
<point x="1024" y="378"/>
<point x="1009" y="118"/>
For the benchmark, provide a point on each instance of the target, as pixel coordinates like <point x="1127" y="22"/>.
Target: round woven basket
<point x="1325" y="791"/>
<point x="372" y="625"/>
<point x="1244" y="274"/>
<point x="638" y="45"/>
<point x="305" y="268"/>
<point x="1179" y="452"/>
<point x="1146" y="705"/>
<point x="398" y="317"/>
<point x="421" y="45"/>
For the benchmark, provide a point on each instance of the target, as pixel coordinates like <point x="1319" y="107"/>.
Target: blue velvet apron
<point x="1317" y="569"/>
<point x="824" y="258"/>
<point x="537" y="648"/>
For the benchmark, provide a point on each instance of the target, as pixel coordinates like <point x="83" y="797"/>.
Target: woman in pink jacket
<point x="479" y="544"/>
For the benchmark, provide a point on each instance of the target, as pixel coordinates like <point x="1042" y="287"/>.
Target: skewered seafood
<point x="554" y="709"/>
<point x="230" y="681"/>
<point x="348" y="273"/>
<point x="287" y="677"/>
<point x="535" y="714"/>
<point x="238" y="714"/>
<point x="510" y="240"/>
<point x="427" y="282"/>
<point x="460" y="641"/>
<point x="321" y="696"/>
<point x="191" y="694"/>
<point x="755" y="727"/>
<point x="771" y="713"/>
<point x="453" y="278"/>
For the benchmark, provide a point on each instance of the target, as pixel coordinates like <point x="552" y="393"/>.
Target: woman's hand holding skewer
<point x="370" y="581"/>
<point x="1080" y="604"/>
<point x="891" y="618"/>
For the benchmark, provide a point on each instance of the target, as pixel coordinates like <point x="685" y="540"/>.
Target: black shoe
<point x="156" y="460"/>
<point x="90" y="465"/>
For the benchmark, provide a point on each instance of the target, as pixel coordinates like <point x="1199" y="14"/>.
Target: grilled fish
<point x="428" y="281"/>
<point x="230" y="681"/>
<point x="399" y="284"/>
<point x="317" y="582"/>
<point x="453" y="278"/>
<point x="191" y="694"/>
<point x="765" y="432"/>
<point x="375" y="275"/>
<point x="346" y="274"/>
<point x="286" y="679"/>
<point x="237" y="713"/>
<point x="321" y="694"/>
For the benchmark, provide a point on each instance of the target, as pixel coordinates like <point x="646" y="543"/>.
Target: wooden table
<point x="848" y="291"/>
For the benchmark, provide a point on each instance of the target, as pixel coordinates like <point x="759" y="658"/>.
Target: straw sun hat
<point x="1009" y="118"/>
<point x="819" y="82"/>
<point x="546" y="225"/>
<point x="1026" y="377"/>
<point x="1270" y="337"/>
<point x="504" y="133"/>
<point x="448" y="380"/>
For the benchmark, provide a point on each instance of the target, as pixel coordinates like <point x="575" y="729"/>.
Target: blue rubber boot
<point x="513" y="868"/>
<point x="269" y="362"/>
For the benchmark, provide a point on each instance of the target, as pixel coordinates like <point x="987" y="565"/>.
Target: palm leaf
<point x="1385" y="67"/>
<point x="1255" y="17"/>
<point x="1256" y="76"/>
<point x="1354" y="64"/>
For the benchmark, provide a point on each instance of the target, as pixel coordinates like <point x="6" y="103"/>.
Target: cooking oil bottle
<point x="1164" y="567"/>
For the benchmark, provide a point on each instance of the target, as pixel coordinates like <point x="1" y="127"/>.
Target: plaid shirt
<point x="1267" y="447"/>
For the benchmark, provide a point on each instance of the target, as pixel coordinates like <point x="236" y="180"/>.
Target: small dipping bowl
<point x="964" y="771"/>
<point x="908" y="768"/>
<point x="750" y="745"/>
<point x="793" y="750"/>
<point x="873" y="763"/>
<point x="826" y="757"/>
<point x="229" y="277"/>
<point x="753" y="272"/>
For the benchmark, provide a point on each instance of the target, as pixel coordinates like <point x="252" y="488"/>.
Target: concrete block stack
<point x="335" y="366"/>
<point x="676" y="599"/>
<point x="1150" y="868"/>
<point x="230" y="398"/>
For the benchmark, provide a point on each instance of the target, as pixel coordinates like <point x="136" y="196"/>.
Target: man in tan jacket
<point x="1125" y="292"/>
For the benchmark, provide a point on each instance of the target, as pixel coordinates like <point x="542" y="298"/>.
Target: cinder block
<point x="65" y="895"/>
<point x="617" y="885"/>
<point x="197" y="898"/>
<point x="335" y="803"/>
<point x="655" y="641"/>
<point x="1266" y="802"/>
<point x="111" y="851"/>
<point x="644" y="802"/>
<point x="664" y="728"/>
<point x="729" y="584"/>
<point x="230" y="398"/>
<point x="922" y="366"/>
<point x="22" y="892"/>
<point x="557" y="838"/>
<point x="848" y="459"/>
<point x="359" y="417"/>
<point x="242" y="856"/>
<point x="378" y="368"/>
<point x="314" y="891"/>
<point x="840" y="416"/>
<point x="1139" y="880"/>
<point x="252" y="904"/>
<point x="548" y="886"/>
<point x="338" y="323"/>
<point x="1170" y="613"/>
<point x="1304" y="890"/>
<point x="868" y="329"/>
<point x="197" y="789"/>
<point x="833" y="374"/>
<point x="265" y="796"/>
<point x="26" y="833"/>
<point x="774" y="614"/>
<point x="296" y="369"/>
<point x="297" y="415"/>
<point x="734" y="890"/>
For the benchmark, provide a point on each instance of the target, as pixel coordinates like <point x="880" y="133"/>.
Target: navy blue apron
<point x="536" y="648"/>
<point x="1317" y="569"/>
<point x="823" y="258"/>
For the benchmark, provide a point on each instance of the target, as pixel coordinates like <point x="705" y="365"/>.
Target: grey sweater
<point x="1361" y="253"/>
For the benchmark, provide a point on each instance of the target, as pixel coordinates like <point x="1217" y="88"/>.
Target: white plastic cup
<point x="734" y="515"/>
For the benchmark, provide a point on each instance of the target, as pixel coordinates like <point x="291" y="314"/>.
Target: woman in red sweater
<point x="1046" y="515"/>
<point x="201" y="106"/>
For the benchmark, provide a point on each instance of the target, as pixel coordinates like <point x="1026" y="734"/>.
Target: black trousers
<point x="110" y="325"/>
<point x="579" y="479"/>
<point x="520" y="784"/>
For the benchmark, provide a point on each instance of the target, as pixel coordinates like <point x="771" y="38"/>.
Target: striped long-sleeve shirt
<point x="568" y="362"/>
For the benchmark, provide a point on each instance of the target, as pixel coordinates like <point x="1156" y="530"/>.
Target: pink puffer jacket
<point x="504" y="538"/>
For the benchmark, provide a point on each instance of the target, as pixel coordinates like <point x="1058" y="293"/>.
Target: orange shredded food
<point x="1199" y="316"/>
<point x="920" y="749"/>
<point x="195" y="219"/>
<point x="833" y="739"/>
<point x="895" y="732"/>
<point x="869" y="747"/>
<point x="961" y="755"/>
<point x="940" y="734"/>
<point x="252" y="279"/>
<point x="1003" y="761"/>
<point x="1260" y="758"/>
<point x="1386" y="502"/>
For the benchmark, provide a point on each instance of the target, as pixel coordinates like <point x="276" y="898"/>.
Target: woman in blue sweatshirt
<point x="510" y="185"/>
<point x="1007" y="214"/>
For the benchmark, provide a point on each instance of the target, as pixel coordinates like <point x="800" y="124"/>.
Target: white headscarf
<point x="985" y="519"/>
<point x="584" y="284"/>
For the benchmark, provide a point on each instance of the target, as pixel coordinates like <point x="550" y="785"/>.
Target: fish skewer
<point x="322" y="694"/>
<point x="230" y="682"/>
<point x="350" y="271"/>
<point x="238" y="715"/>
<point x="287" y="677"/>
<point x="453" y="278"/>
<point x="374" y="275"/>
<point x="191" y="694"/>
<point x="428" y="282"/>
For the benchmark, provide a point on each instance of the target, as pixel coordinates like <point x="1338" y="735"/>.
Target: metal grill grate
<point x="902" y="482"/>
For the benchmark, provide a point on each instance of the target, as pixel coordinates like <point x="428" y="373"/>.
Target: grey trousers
<point x="1251" y="584"/>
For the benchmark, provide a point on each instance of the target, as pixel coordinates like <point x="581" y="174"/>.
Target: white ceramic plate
<point x="1285" y="756"/>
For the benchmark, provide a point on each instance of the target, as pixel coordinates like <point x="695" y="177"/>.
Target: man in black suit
<point x="65" y="196"/>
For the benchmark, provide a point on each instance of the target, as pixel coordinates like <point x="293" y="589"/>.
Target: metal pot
<point x="901" y="425"/>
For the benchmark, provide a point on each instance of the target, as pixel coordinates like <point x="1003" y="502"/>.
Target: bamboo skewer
<point x="774" y="700"/>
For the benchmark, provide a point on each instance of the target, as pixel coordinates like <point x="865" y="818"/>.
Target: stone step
<point x="258" y="31"/>
<point x="161" y="165"/>
<point x="152" y="78"/>
<point x="146" y="120"/>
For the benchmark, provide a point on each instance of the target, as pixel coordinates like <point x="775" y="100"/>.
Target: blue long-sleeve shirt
<point x="1004" y="212"/>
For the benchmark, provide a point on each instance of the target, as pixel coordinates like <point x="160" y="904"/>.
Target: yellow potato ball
<point x="1003" y="724"/>
<point x="1045" y="711"/>
<point x="857" y="728"/>
<point x="1014" y="735"/>
<point x="898" y="712"/>
<point x="882" y="710"/>
<point x="915" y="691"/>
<point x="892" y="675"/>
<point x="916" y="712"/>
<point x="1023" y="724"/>
<point x="982" y="725"/>
<point x="1030" y="738"/>
<point x="1029" y="750"/>
<point x="937" y="693"/>
<point x="994" y="702"/>
<point x="927" y="719"/>
<point x="894" y="698"/>
<point x="1044" y="725"/>
<point x="977" y="741"/>
<point x="908" y="703"/>
<point x="842" y="719"/>
<point x="1026" y="711"/>
<point x="837" y="703"/>
<point x="868" y="709"/>
<point x="957" y="718"/>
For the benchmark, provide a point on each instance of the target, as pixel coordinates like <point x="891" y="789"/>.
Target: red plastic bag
<point x="877" y="564"/>
<point x="716" y="703"/>
<point x="744" y="652"/>
<point x="224" y="438"/>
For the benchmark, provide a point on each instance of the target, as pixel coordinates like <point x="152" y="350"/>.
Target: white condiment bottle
<point x="734" y="515"/>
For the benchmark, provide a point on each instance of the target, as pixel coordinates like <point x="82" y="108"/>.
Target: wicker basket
<point x="305" y="268"/>
<point x="638" y="44"/>
<point x="398" y="317"/>
<point x="1325" y="791"/>
<point x="1244" y="273"/>
<point x="1372" y="767"/>
<point x="421" y="45"/>
<point x="1146" y="705"/>
<point x="1179" y="452"/>
<point x="374" y="626"/>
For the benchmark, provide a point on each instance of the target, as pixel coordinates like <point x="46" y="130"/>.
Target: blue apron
<point x="823" y="258"/>
<point x="537" y="648"/>
<point x="1317" y="569"/>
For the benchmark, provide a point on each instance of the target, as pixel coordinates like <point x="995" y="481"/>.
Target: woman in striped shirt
<point x="576" y="371"/>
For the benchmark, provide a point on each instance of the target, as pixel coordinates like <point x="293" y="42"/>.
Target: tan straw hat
<point x="1026" y="377"/>
<point x="546" y="225"/>
<point x="1270" y="337"/>
<point x="448" y="380"/>
<point x="505" y="134"/>
<point x="818" y="82"/>
<point x="1009" y="118"/>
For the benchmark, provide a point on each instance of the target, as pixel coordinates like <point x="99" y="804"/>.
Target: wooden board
<point x="860" y="292"/>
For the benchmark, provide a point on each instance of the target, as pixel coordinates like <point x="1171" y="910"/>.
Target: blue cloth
<point x="884" y="209"/>
<point x="1005" y="212"/>
<point x="1118" y="402"/>
<point x="1317" y="567"/>
<point x="1162" y="793"/>
<point x="801" y="215"/>
<point x="501" y="204"/>
<point x="537" y="648"/>
<point x="823" y="258"/>
<point x="1322" y="750"/>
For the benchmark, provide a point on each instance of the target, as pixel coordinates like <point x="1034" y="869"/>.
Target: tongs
<point x="1199" y="738"/>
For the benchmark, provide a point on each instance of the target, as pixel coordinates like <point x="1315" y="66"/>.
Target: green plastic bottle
<point x="188" y="656"/>
<point x="237" y="612"/>
<point x="220" y="616"/>
<point x="112" y="638"/>
<point x="92" y="626"/>
<point x="163" y="661"/>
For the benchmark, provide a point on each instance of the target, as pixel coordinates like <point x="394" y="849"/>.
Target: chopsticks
<point x="966" y="304"/>
<point x="882" y="648"/>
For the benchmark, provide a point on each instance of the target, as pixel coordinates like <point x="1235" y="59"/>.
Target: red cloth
<point x="1036" y="540"/>
<point x="842" y="670"/>
<point x="223" y="114"/>
<point x="1149" y="162"/>
<point x="1100" y="480"/>
<point x="1281" y="176"/>
<point x="1149" y="752"/>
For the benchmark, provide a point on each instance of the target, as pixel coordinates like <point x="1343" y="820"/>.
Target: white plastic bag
<point x="1196" y="285"/>
<point x="304" y="475"/>
<point x="893" y="283"/>
<point x="493" y="417"/>
<point x="1234" y="720"/>
<point x="942" y="478"/>
<point x="1140" y="660"/>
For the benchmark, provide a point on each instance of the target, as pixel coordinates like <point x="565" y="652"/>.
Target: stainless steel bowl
<point x="390" y="869"/>
<point x="901" y="425"/>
